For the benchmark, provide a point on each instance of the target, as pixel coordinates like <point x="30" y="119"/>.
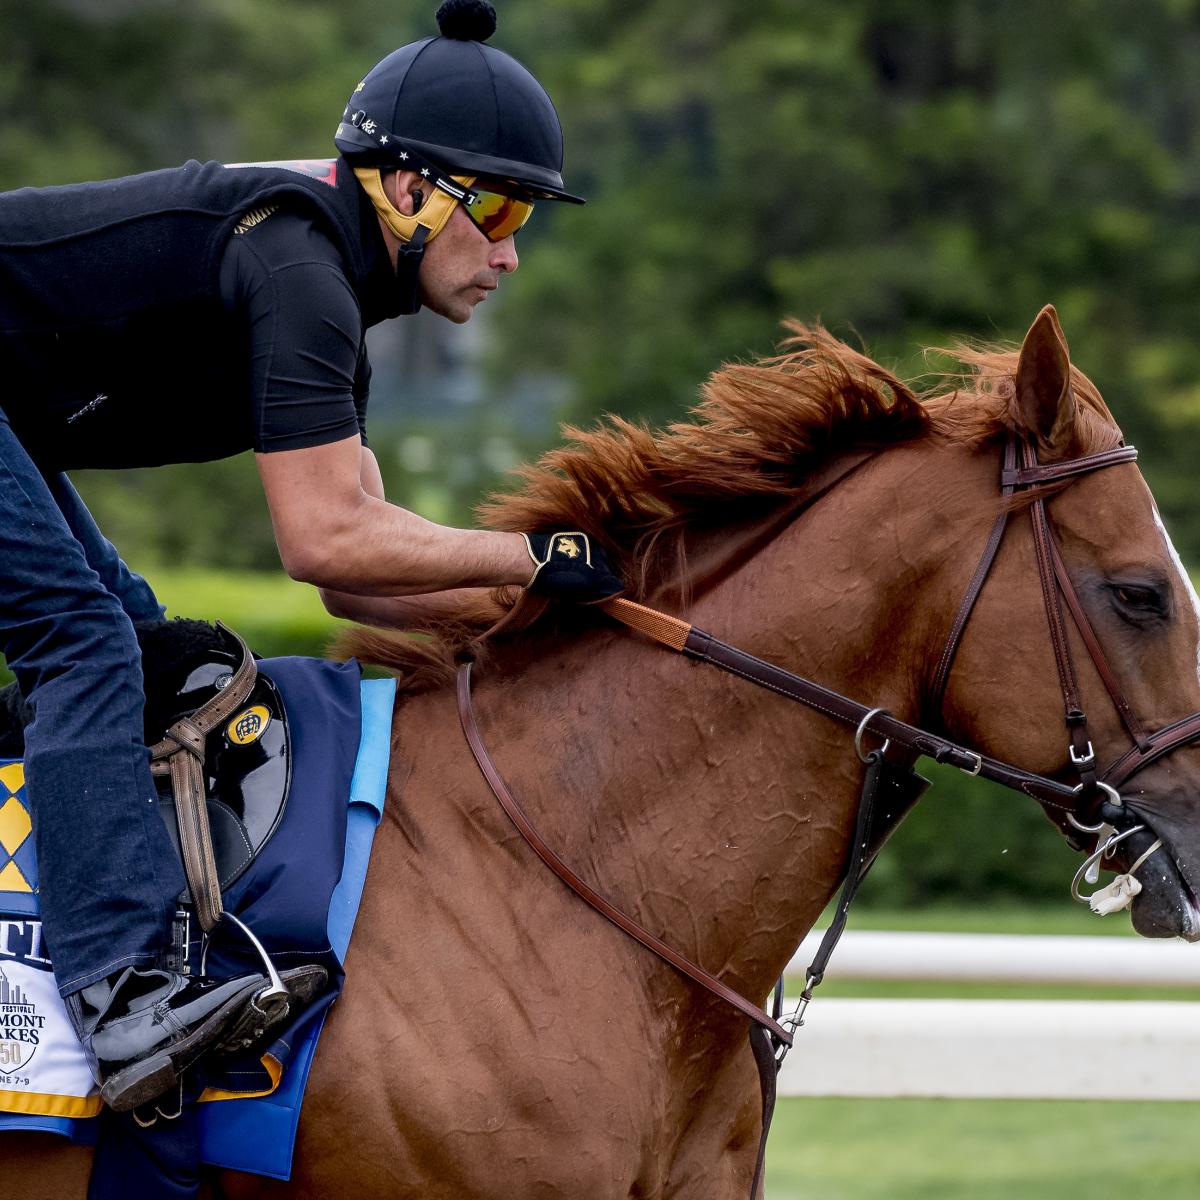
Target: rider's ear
<point x="1044" y="404"/>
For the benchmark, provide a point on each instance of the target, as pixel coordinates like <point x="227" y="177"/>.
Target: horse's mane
<point x="750" y="446"/>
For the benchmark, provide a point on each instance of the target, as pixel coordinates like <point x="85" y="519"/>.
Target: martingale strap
<point x="767" y="1035"/>
<point x="627" y="924"/>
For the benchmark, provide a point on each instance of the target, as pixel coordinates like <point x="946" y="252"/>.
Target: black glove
<point x="568" y="567"/>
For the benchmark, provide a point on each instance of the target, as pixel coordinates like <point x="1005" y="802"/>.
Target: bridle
<point x="1095" y="795"/>
<point x="1090" y="805"/>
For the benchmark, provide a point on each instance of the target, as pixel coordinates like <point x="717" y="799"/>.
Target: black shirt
<point x="137" y="327"/>
<point x="283" y="284"/>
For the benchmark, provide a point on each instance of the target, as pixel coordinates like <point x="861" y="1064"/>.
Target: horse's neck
<point x="716" y="812"/>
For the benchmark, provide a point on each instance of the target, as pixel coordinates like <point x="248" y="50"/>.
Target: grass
<point x="872" y="1149"/>
<point x="982" y="1150"/>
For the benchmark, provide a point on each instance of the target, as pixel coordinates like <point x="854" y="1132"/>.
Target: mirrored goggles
<point x="496" y="215"/>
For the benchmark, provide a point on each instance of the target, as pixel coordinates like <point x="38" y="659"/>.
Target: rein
<point x="1090" y="805"/>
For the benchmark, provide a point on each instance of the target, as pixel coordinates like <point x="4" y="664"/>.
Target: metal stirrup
<point x="277" y="990"/>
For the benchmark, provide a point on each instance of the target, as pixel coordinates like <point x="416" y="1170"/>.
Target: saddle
<point x="221" y="751"/>
<point x="222" y="765"/>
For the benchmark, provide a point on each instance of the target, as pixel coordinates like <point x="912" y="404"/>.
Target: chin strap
<point x="435" y="212"/>
<point x="414" y="232"/>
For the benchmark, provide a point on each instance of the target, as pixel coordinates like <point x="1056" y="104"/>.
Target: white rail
<point x="1001" y="1049"/>
<point x="1007" y="958"/>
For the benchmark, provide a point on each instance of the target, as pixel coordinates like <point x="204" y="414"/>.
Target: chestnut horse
<point x="497" y="1040"/>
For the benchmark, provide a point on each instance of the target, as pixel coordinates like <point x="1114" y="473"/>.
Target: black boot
<point x="143" y="1028"/>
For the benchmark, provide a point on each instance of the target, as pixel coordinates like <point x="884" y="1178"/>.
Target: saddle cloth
<point x="300" y="895"/>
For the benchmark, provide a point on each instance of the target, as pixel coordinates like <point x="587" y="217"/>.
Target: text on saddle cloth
<point x="300" y="896"/>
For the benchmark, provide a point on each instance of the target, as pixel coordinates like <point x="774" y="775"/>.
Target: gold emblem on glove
<point x="568" y="547"/>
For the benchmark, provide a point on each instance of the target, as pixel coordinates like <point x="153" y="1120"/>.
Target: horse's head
<point x="1006" y="695"/>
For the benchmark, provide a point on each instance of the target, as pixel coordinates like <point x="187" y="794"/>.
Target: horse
<point x="496" y="1038"/>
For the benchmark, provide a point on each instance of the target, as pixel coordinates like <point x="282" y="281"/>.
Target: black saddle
<point x="247" y="759"/>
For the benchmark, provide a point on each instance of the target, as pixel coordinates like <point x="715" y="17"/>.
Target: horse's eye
<point x="1139" y="601"/>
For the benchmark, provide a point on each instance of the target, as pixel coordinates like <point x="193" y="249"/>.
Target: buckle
<point x="978" y="763"/>
<point x="1082" y="760"/>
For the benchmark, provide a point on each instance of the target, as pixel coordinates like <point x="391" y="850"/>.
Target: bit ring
<point x="862" y="728"/>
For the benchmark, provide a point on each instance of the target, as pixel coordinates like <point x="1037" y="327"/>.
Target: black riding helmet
<point x="453" y="103"/>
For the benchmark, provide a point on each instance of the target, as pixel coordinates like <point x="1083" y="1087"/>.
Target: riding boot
<point x="142" y="1029"/>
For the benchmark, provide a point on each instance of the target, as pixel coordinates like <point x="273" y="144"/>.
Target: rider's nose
<point x="504" y="256"/>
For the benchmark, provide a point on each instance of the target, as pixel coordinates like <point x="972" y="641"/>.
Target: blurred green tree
<point x="909" y="171"/>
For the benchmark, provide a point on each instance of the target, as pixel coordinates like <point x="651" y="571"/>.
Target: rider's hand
<point x="568" y="567"/>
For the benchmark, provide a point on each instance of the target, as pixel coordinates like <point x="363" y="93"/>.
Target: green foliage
<point x="274" y="614"/>
<point x="911" y="172"/>
<point x="972" y="840"/>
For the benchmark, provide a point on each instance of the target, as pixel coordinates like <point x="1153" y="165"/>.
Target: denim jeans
<point x="107" y="873"/>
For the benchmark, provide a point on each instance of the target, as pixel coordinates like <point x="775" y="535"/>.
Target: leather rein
<point x="1087" y="805"/>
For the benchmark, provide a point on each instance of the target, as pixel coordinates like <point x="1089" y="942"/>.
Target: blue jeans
<point x="107" y="873"/>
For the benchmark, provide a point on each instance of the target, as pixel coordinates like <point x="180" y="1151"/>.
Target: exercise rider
<point x="195" y="313"/>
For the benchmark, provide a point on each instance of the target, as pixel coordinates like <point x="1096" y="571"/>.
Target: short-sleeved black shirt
<point x="283" y="283"/>
<point x="138" y="326"/>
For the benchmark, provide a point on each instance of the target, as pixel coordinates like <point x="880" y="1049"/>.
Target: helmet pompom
<point x="467" y="20"/>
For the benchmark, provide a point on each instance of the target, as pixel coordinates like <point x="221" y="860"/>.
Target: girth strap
<point x="181" y="755"/>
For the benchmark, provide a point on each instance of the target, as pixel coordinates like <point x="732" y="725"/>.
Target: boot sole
<point x="236" y="1026"/>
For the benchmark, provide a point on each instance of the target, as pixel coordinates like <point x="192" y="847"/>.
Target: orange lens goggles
<point x="496" y="215"/>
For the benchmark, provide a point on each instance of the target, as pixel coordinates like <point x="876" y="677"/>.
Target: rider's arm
<point x="333" y="533"/>
<point x="400" y="612"/>
<point x="283" y="282"/>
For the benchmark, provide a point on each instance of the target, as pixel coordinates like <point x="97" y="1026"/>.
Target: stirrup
<point x="276" y="989"/>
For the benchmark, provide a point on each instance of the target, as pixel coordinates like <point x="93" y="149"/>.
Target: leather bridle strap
<point x="687" y="639"/>
<point x="1107" y="675"/>
<point x="627" y="924"/>
<point x="1083" y="756"/>
<point x="1161" y="742"/>
<point x="1033" y="474"/>
<point x="937" y="691"/>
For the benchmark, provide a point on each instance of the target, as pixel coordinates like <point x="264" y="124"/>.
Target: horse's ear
<point x="1044" y="405"/>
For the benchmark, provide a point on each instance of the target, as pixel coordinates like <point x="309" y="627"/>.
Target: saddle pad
<point x="298" y="915"/>
<point x="259" y="1134"/>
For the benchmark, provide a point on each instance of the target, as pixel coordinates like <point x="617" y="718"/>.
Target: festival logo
<point x="248" y="726"/>
<point x="21" y="1027"/>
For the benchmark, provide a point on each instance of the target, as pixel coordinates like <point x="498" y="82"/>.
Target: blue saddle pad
<point x="300" y="896"/>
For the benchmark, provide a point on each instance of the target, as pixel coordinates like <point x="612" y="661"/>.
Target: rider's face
<point x="460" y="266"/>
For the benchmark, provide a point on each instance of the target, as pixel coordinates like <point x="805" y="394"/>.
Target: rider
<point x="191" y="314"/>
